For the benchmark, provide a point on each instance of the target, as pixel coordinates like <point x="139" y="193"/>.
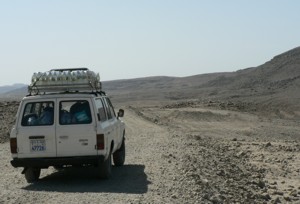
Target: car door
<point x="103" y="124"/>
<point x="36" y="129"/>
<point x="112" y="120"/>
<point x="76" y="128"/>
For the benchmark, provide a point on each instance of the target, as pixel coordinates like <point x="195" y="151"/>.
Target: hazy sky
<point x="138" y="38"/>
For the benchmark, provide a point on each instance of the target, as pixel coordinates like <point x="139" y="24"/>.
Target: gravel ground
<point x="186" y="154"/>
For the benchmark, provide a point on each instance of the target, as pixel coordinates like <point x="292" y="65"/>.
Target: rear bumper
<point x="46" y="162"/>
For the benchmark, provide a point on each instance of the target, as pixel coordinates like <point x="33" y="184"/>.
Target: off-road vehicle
<point x="66" y="120"/>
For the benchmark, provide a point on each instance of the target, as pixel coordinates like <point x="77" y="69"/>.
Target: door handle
<point x="37" y="137"/>
<point x="64" y="137"/>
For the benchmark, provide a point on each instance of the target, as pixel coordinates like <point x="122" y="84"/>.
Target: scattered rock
<point x="294" y="193"/>
<point x="277" y="200"/>
<point x="216" y="199"/>
<point x="287" y="198"/>
<point x="268" y="144"/>
<point x="278" y="193"/>
<point x="240" y="154"/>
<point x="272" y="187"/>
<point x="8" y="110"/>
<point x="265" y="196"/>
<point x="273" y="183"/>
<point x="261" y="184"/>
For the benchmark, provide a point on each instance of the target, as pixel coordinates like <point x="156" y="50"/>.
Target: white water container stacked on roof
<point x="45" y="79"/>
<point x="73" y="76"/>
<point x="74" y="79"/>
<point x="36" y="77"/>
<point x="67" y="77"/>
<point x="53" y="76"/>
<point x="80" y="77"/>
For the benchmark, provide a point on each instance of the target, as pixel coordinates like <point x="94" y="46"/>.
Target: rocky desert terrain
<point x="215" y="138"/>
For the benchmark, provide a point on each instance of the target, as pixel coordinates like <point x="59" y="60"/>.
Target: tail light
<point x="100" y="142"/>
<point x="13" y="145"/>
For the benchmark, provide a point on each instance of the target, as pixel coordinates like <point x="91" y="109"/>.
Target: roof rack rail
<point x="70" y="69"/>
<point x="65" y="80"/>
<point x="98" y="93"/>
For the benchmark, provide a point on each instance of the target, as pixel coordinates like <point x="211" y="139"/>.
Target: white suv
<point x="72" y="128"/>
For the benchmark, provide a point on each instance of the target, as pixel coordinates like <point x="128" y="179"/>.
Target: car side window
<point x="111" y="107"/>
<point x="38" y="114"/>
<point x="74" y="112"/>
<point x="109" y="114"/>
<point x="101" y="110"/>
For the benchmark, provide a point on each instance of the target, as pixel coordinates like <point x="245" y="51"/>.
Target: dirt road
<point x="146" y="177"/>
<point x="182" y="155"/>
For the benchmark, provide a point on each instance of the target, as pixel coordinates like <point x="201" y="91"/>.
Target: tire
<point x="32" y="174"/>
<point x="105" y="168"/>
<point x="119" y="155"/>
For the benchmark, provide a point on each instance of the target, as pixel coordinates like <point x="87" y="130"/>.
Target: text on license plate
<point x="37" y="145"/>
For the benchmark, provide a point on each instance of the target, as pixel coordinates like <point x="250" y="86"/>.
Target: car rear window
<point x="74" y="112"/>
<point x="38" y="114"/>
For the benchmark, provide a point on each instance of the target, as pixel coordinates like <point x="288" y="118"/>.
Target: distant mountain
<point x="156" y="88"/>
<point x="159" y="87"/>
<point x="277" y="73"/>
<point x="5" y="89"/>
<point x="272" y="85"/>
<point x="16" y="94"/>
<point x="280" y="74"/>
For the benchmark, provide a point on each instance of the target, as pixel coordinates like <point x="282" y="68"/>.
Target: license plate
<point x="37" y="145"/>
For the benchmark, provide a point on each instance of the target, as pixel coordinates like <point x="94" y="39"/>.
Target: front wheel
<point x="32" y="174"/>
<point x="119" y="155"/>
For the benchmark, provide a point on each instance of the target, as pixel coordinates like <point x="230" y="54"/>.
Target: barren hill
<point x="5" y="89"/>
<point x="271" y="87"/>
<point x="159" y="88"/>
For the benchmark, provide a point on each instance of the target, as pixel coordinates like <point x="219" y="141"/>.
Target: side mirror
<point x="121" y="113"/>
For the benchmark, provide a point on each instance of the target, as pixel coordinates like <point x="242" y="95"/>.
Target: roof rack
<point x="65" y="80"/>
<point x="70" y="69"/>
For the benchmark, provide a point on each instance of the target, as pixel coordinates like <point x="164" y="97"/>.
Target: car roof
<point x="63" y="95"/>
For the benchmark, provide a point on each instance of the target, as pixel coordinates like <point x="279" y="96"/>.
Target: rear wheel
<point x="119" y="155"/>
<point x="32" y="174"/>
<point x="105" y="168"/>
